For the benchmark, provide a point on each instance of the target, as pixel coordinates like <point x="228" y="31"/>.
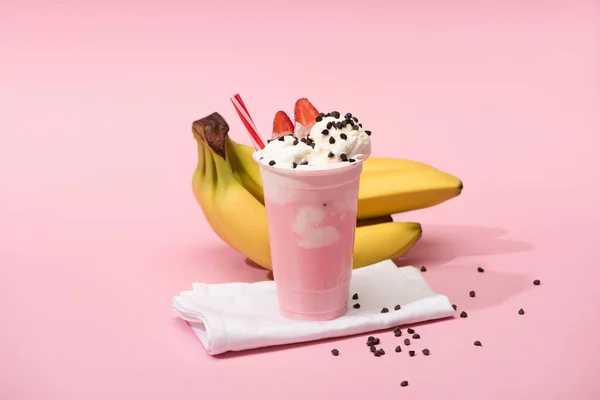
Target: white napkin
<point x="239" y="316"/>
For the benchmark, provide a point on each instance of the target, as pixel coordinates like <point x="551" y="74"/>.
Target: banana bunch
<point x="228" y="186"/>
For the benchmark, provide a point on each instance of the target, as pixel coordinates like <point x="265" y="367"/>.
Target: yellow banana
<point x="387" y="185"/>
<point x="240" y="220"/>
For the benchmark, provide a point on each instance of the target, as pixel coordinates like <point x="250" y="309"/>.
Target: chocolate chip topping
<point x="332" y="140"/>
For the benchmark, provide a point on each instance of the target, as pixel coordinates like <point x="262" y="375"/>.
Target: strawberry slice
<point x="282" y="125"/>
<point x="305" y="113"/>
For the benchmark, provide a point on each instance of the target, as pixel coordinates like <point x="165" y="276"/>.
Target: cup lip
<point x="310" y="172"/>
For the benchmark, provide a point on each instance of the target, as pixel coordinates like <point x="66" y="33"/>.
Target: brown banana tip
<point x="212" y="129"/>
<point x="460" y="186"/>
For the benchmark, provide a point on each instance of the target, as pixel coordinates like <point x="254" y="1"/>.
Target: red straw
<point x="242" y="111"/>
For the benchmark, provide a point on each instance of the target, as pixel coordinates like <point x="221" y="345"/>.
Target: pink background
<point x="99" y="228"/>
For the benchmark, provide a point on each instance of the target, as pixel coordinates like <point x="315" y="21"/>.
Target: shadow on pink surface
<point x="443" y="243"/>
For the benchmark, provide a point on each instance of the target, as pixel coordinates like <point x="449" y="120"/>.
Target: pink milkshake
<point x="311" y="195"/>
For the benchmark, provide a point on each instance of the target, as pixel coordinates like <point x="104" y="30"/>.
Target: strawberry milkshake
<point x="310" y="173"/>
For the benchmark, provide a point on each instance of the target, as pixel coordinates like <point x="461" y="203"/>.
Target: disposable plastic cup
<point x="312" y="221"/>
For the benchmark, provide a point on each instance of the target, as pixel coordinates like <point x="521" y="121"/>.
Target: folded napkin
<point x="239" y="316"/>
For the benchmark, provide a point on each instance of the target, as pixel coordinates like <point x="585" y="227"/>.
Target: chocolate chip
<point x="368" y="133"/>
<point x="404" y="383"/>
<point x="454" y="306"/>
<point x="304" y="162"/>
<point x="371" y="338"/>
<point x="321" y="114"/>
<point x="398" y="349"/>
<point x="269" y="141"/>
<point x="281" y="138"/>
<point x="335" y="352"/>
<point x="377" y="354"/>
<point x="325" y="132"/>
<point x="343" y="157"/>
<point x="355" y="119"/>
<point x="423" y="269"/>
<point x="303" y="140"/>
<point x="332" y="140"/>
<point x="411" y="353"/>
<point x="329" y="125"/>
<point x="348" y="115"/>
<point x="426" y="352"/>
<point x="373" y="349"/>
<point x="339" y="125"/>
<point x="479" y="269"/>
<point x="294" y="165"/>
<point x="272" y="162"/>
<point x="328" y="115"/>
<point x="381" y="351"/>
<point x="521" y="311"/>
<point x="331" y="155"/>
<point x="319" y="118"/>
<point x="343" y="136"/>
<point x="261" y="158"/>
<point x="349" y="122"/>
<point x="376" y="341"/>
<point x="359" y="124"/>
<point x="397" y="307"/>
<point x="463" y="314"/>
<point x="357" y="306"/>
<point x="355" y="296"/>
<point x="410" y="330"/>
<point x="351" y="160"/>
<point x="295" y="143"/>
<point x="398" y="333"/>
<point x="354" y="127"/>
<point x="478" y="343"/>
<point x="472" y="293"/>
<point x="537" y="282"/>
<point x="416" y="336"/>
<point x="384" y="309"/>
<point x="335" y="114"/>
<point x="407" y="342"/>
<point x="397" y="329"/>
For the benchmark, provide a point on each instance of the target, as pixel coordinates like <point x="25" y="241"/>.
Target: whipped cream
<point x="333" y="142"/>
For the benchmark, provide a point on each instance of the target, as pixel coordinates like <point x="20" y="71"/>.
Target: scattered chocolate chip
<point x="410" y="330"/>
<point x="423" y="269"/>
<point x="348" y="115"/>
<point x="479" y="269"/>
<point x="281" y="138"/>
<point x="328" y="115"/>
<point x="416" y="336"/>
<point x="343" y="157"/>
<point x="373" y="349"/>
<point x="404" y="383"/>
<point x="355" y="127"/>
<point x="377" y="354"/>
<point x="371" y="338"/>
<point x="398" y="349"/>
<point x="477" y="343"/>
<point x="376" y="341"/>
<point x="351" y="160"/>
<point x="294" y="165"/>
<point x="324" y="204"/>
<point x="397" y="307"/>
<point x="463" y="314"/>
<point x="407" y="342"/>
<point x="521" y="311"/>
<point x="454" y="306"/>
<point x="332" y="140"/>
<point x="319" y="118"/>
<point x="321" y="114"/>
<point x="398" y="333"/>
<point x="272" y="162"/>
<point x="335" y="114"/>
<point x="537" y="282"/>
<point x="357" y="306"/>
<point x="472" y="293"/>
<point x="269" y="141"/>
<point x="329" y="125"/>
<point x="396" y="329"/>
<point x="355" y="119"/>
<point x="303" y="140"/>
<point x="426" y="352"/>
<point x="368" y="133"/>
<point x="359" y="124"/>
<point x="384" y="309"/>
<point x="355" y="296"/>
<point x="411" y="353"/>
<point x="349" y="122"/>
<point x="331" y="155"/>
<point x="295" y="143"/>
<point x="304" y="162"/>
<point x="381" y="351"/>
<point x="335" y="352"/>
<point x="343" y="136"/>
<point x="325" y="132"/>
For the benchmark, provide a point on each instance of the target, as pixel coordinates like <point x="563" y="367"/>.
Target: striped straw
<point x="242" y="111"/>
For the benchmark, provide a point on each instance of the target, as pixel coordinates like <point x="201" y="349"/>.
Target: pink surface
<point x="99" y="227"/>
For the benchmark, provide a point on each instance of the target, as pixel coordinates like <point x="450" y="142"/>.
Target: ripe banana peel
<point x="228" y="186"/>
